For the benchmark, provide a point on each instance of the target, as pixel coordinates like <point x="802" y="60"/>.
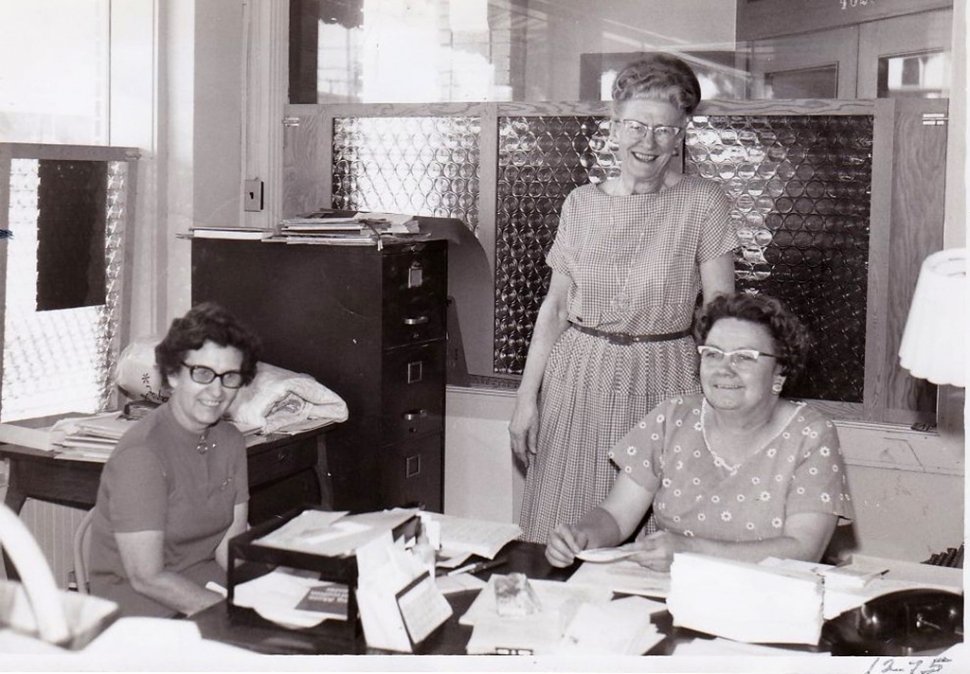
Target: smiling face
<point x="198" y="406"/>
<point x="742" y="388"/>
<point x="644" y="160"/>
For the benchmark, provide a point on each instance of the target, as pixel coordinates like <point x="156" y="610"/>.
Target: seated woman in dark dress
<point x="175" y="489"/>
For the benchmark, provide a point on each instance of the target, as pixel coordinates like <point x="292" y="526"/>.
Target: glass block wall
<point x="418" y="165"/>
<point x="59" y="360"/>
<point x="540" y="160"/>
<point x="800" y="193"/>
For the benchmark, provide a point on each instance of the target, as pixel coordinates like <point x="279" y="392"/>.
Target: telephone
<point x="902" y="623"/>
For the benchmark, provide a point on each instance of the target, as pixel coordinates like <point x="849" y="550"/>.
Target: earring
<point x="777" y="386"/>
<point x="676" y="152"/>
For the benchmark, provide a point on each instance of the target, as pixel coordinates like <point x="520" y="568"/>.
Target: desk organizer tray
<point x="249" y="560"/>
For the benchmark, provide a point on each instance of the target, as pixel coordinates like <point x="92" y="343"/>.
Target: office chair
<point x="82" y="549"/>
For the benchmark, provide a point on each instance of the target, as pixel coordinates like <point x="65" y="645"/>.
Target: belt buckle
<point x="621" y="338"/>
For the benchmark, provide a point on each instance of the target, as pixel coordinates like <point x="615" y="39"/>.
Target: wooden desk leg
<point x="15" y="499"/>
<point x="323" y="474"/>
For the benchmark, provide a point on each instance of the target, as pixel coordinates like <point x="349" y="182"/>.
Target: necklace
<point x="622" y="278"/>
<point x="718" y="460"/>
<point x="204" y="445"/>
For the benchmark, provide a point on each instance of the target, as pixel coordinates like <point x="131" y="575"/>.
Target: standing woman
<point x="612" y="337"/>
<point x="176" y="488"/>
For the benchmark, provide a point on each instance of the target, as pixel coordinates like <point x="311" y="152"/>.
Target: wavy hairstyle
<point x="791" y="337"/>
<point x="658" y="77"/>
<point x="207" y="322"/>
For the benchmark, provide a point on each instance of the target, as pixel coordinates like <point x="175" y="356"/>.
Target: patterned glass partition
<point x="418" y="165"/>
<point x="540" y="160"/>
<point x="60" y="347"/>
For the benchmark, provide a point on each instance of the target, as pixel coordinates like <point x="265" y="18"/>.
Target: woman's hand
<point x="565" y="541"/>
<point x="523" y="430"/>
<point x="656" y="551"/>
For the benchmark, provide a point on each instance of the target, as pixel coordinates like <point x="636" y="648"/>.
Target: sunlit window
<point x="913" y="75"/>
<point x="54" y="71"/>
<point x="401" y="51"/>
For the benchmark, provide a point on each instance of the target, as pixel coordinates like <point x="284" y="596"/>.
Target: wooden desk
<point x="284" y="472"/>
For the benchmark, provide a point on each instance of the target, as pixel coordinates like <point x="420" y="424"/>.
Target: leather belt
<point x="625" y="339"/>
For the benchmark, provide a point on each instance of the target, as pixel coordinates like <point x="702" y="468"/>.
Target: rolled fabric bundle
<point x="277" y="398"/>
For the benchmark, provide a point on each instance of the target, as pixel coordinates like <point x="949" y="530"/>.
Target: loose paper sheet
<point x="479" y="537"/>
<point x="623" y="576"/>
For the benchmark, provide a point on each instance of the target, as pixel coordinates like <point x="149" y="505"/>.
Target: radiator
<point x="53" y="526"/>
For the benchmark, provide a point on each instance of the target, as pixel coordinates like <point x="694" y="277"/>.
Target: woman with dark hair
<point x="175" y="489"/>
<point x="737" y="472"/>
<point x="612" y="339"/>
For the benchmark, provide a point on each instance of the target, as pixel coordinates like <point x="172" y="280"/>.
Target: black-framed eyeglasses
<point x="662" y="133"/>
<point x="201" y="374"/>
<point x="739" y="358"/>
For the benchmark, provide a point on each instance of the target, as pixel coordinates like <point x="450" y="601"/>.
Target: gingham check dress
<point x="634" y="262"/>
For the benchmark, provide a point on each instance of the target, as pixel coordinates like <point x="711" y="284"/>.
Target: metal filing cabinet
<point x="370" y="325"/>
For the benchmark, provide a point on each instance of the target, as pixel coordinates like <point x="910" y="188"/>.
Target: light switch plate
<point x="253" y="195"/>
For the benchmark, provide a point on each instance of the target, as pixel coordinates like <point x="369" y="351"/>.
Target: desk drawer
<point x="412" y="472"/>
<point x="268" y="463"/>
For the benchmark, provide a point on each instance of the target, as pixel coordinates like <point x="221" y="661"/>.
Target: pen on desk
<point x="479" y="566"/>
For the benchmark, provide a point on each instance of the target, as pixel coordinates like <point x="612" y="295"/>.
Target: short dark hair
<point x="204" y="322"/>
<point x="791" y="337"/>
<point x="660" y="77"/>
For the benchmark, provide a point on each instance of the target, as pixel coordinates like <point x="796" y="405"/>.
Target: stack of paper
<point x="92" y="438"/>
<point x="744" y="601"/>
<point x="478" y="537"/>
<point x="325" y="227"/>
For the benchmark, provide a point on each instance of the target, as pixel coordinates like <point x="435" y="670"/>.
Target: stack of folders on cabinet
<point x="331" y="228"/>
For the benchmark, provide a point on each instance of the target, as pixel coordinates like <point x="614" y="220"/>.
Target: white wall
<point x="198" y="148"/>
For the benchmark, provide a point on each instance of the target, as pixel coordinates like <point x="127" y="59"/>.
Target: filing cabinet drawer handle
<point x="420" y="320"/>
<point x="414" y="415"/>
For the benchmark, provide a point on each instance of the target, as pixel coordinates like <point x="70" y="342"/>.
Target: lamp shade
<point x="934" y="342"/>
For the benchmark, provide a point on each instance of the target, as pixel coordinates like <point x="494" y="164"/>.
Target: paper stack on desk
<point x="745" y="601"/>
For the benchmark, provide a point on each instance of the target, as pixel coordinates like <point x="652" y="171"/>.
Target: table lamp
<point x="934" y="341"/>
